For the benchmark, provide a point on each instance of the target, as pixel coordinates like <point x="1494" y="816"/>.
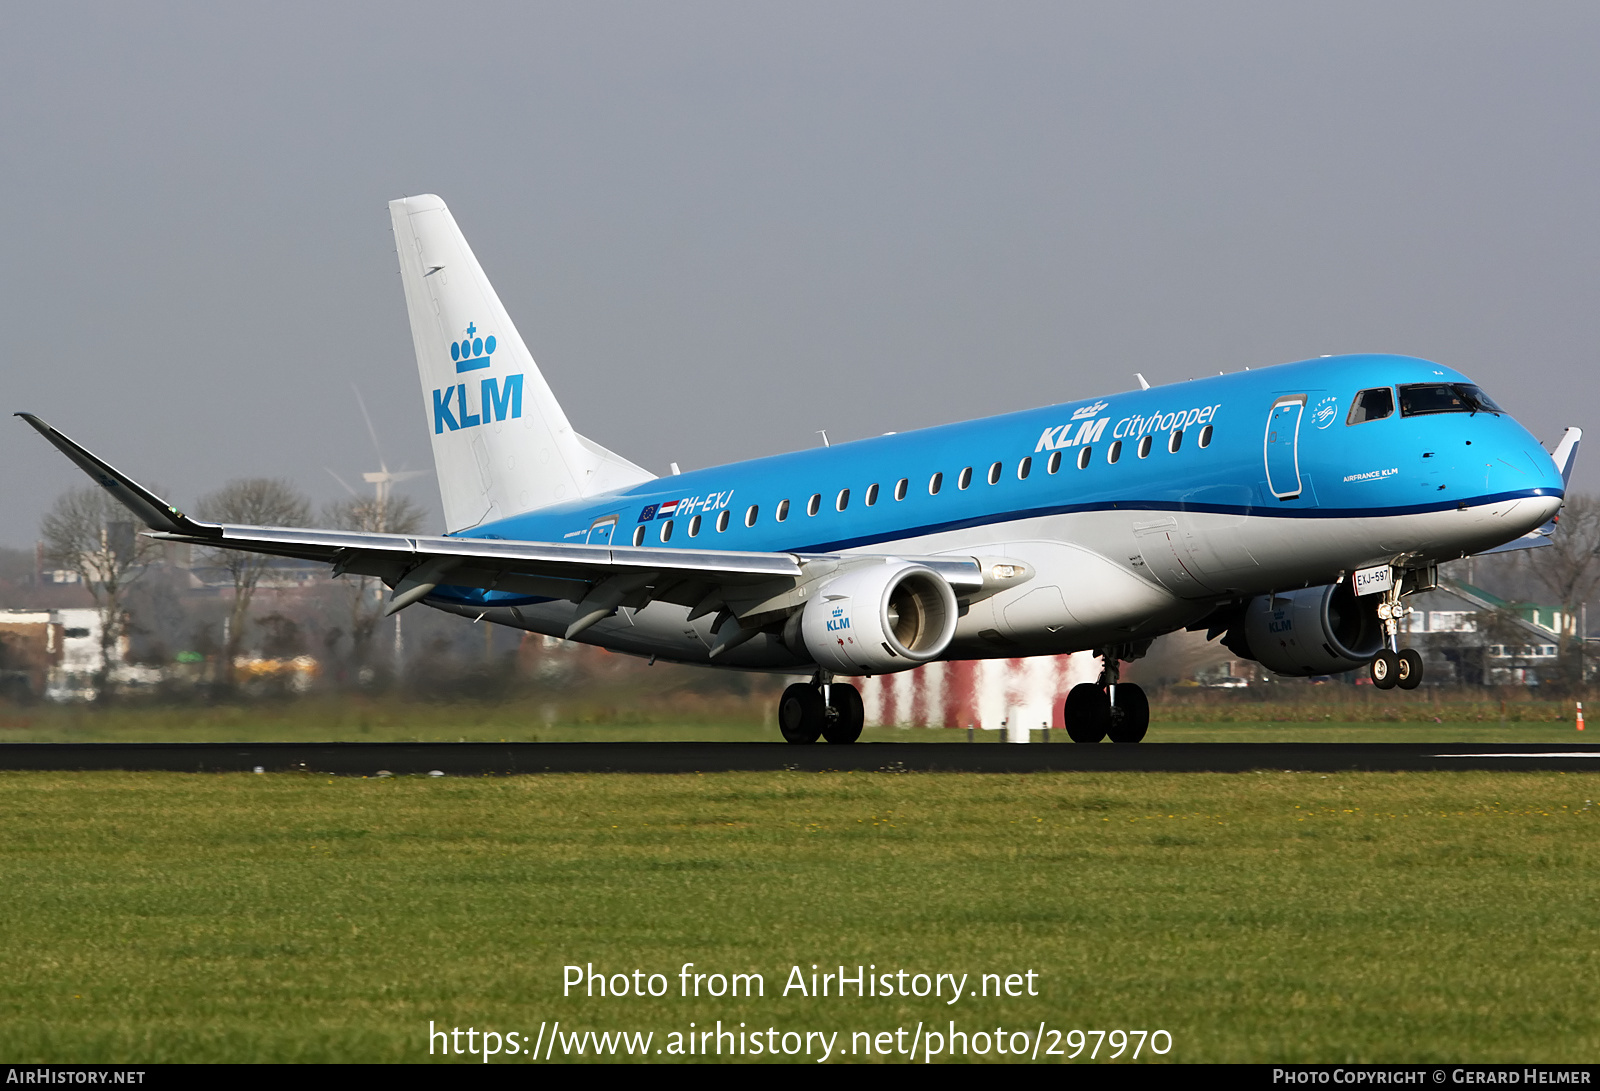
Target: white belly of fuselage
<point x="1101" y="577"/>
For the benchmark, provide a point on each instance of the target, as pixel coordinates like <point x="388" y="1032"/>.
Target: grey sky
<point x="720" y="227"/>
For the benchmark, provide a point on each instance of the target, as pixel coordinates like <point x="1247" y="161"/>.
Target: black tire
<point x="1087" y="713"/>
<point x="801" y="713"/>
<point x="844" y="725"/>
<point x="1129" y="714"/>
<point x="1385" y="669"/>
<point x="1409" y="675"/>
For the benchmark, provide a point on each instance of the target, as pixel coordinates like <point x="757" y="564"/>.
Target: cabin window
<point x="750" y="515"/>
<point x="1175" y="441"/>
<point x="666" y="531"/>
<point x="1054" y="464"/>
<point x="843" y="501"/>
<point x="872" y="494"/>
<point x="1114" y="452"/>
<point x="1144" y="446"/>
<point x="994" y="474"/>
<point x="722" y="522"/>
<point x="1205" y="436"/>
<point x="638" y="535"/>
<point x="965" y="479"/>
<point x="1084" y="456"/>
<point x="814" y="505"/>
<point x="1024" y="468"/>
<point x="1372" y="404"/>
<point x="935" y="483"/>
<point x="694" y="526"/>
<point x="1421" y="399"/>
<point x="783" y="510"/>
<point x="900" y="488"/>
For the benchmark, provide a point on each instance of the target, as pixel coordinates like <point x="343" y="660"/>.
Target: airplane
<point x="1289" y="510"/>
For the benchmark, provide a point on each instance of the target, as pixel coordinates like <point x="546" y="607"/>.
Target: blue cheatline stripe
<point x="900" y="534"/>
<point x="1254" y="511"/>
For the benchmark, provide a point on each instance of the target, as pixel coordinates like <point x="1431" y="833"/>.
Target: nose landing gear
<point x="1390" y="669"/>
<point x="820" y="709"/>
<point x="1395" y="666"/>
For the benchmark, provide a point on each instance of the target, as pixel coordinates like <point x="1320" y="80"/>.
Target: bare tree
<point x="385" y="515"/>
<point x="89" y="533"/>
<point x="1569" y="569"/>
<point x="254" y="501"/>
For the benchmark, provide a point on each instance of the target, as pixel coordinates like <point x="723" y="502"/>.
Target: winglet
<point x="1566" y="453"/>
<point x="153" y="511"/>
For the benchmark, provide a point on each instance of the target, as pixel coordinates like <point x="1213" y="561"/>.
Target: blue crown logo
<point x="472" y="352"/>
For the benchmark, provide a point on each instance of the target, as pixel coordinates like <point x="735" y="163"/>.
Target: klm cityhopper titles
<point x="1289" y="510"/>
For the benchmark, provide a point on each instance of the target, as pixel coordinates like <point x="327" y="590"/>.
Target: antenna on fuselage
<point x="1144" y="384"/>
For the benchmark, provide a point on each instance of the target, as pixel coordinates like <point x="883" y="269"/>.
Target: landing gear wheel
<point x="801" y="713"/>
<point x="1409" y="674"/>
<point x="845" y="714"/>
<point x="1087" y="713"/>
<point x="1385" y="669"/>
<point x="1129" y="713"/>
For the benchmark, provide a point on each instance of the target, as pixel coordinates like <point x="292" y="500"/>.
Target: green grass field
<point x="1341" y="714"/>
<point x="1256" y="917"/>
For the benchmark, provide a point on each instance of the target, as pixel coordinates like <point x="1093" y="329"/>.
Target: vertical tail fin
<point x="501" y="442"/>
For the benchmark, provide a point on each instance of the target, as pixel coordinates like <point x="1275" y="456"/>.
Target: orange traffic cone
<point x="1580" y="715"/>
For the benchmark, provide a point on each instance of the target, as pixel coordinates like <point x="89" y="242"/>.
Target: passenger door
<point x="1282" y="446"/>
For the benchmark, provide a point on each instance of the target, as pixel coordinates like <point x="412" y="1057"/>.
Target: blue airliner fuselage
<point x="1253" y="482"/>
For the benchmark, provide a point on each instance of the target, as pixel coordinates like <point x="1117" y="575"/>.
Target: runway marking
<point x="1549" y="754"/>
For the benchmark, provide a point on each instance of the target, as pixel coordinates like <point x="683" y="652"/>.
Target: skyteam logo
<point x="1325" y="412"/>
<point x="472" y="352"/>
<point x="494" y="400"/>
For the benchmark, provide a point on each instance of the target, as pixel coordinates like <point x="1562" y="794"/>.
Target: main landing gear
<point x="1395" y="666"/>
<point x="1107" y="709"/>
<point x="821" y="708"/>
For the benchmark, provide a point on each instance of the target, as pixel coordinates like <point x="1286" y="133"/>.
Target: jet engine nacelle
<point x="879" y="619"/>
<point x="1316" y="630"/>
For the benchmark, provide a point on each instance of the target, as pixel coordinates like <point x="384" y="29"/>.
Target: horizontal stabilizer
<point x="1566" y="453"/>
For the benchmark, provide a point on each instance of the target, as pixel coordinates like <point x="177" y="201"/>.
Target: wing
<point x="756" y="588"/>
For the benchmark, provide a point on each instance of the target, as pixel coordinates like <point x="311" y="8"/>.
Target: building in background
<point x="1469" y="636"/>
<point x="55" y="654"/>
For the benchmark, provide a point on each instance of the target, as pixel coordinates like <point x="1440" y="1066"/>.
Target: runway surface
<point x="489" y="759"/>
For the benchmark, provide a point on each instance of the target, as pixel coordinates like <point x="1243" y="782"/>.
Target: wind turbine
<point x="382" y="479"/>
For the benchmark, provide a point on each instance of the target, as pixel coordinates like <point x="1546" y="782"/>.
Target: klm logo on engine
<point x="467" y="406"/>
<point x="838" y="622"/>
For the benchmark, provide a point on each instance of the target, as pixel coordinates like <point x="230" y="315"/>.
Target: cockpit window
<point x="1420" y="399"/>
<point x="1371" y="405"/>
